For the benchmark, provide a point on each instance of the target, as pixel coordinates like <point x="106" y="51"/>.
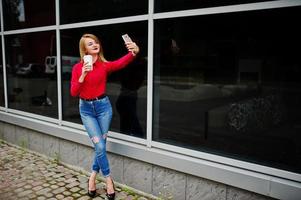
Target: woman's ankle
<point x="92" y="181"/>
<point x="110" y="185"/>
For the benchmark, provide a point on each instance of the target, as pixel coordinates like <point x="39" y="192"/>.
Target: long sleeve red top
<point x="94" y="84"/>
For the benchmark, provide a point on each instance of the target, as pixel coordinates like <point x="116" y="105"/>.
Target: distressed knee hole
<point x="105" y="136"/>
<point x="95" y="139"/>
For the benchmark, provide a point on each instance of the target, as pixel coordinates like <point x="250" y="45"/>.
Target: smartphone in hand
<point x="126" y="38"/>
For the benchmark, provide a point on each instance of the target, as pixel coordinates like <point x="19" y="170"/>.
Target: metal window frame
<point x="257" y="178"/>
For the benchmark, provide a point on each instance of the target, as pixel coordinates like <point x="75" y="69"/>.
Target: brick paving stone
<point x="48" y="195"/>
<point x="61" y="184"/>
<point x="67" y="193"/>
<point x="24" y="193"/>
<point x="61" y="179"/>
<point x="27" y="187"/>
<point x="58" y="175"/>
<point x="41" y="198"/>
<point x="54" y="182"/>
<point x="46" y="185"/>
<point x="75" y="195"/>
<point x="32" y="196"/>
<point x="84" y="198"/>
<point x="83" y="192"/>
<point x="74" y="189"/>
<point x="43" y="191"/>
<point x="59" y="190"/>
<point x="70" y="180"/>
<point x="99" y="198"/>
<point x="19" y="190"/>
<point x="83" y="185"/>
<point x="37" y="183"/>
<point x="68" y="176"/>
<point x="26" y="175"/>
<point x="54" y="186"/>
<point x="37" y="188"/>
<point x="59" y="196"/>
<point x="68" y="198"/>
<point x="73" y="184"/>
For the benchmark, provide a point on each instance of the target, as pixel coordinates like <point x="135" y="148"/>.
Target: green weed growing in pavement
<point x="129" y="191"/>
<point x="56" y="158"/>
<point x="23" y="144"/>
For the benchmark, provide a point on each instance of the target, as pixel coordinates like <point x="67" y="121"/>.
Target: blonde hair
<point x="82" y="48"/>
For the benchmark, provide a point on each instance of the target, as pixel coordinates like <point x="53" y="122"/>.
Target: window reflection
<point x="231" y="88"/>
<point x="96" y="10"/>
<point x="1" y="79"/>
<point x="126" y="88"/>
<point x="30" y="87"/>
<point x="26" y="14"/>
<point x="173" y="5"/>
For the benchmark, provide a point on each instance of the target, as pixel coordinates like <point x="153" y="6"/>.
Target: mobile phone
<point x="126" y="38"/>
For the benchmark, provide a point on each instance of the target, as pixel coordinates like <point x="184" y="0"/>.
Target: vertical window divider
<point x="3" y="59"/>
<point x="58" y="61"/>
<point x="149" y="124"/>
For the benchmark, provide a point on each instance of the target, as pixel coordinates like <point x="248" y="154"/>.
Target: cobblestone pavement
<point x="27" y="175"/>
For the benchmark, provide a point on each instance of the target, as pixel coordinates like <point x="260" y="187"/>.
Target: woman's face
<point x="92" y="47"/>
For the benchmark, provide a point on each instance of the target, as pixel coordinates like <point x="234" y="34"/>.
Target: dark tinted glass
<point x="79" y="11"/>
<point x="1" y="78"/>
<point x="172" y="5"/>
<point x="31" y="87"/>
<point x="126" y="88"/>
<point x="19" y="14"/>
<point x="231" y="88"/>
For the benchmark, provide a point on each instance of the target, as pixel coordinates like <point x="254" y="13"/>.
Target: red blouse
<point x="94" y="84"/>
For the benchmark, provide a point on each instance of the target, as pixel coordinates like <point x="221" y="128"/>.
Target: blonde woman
<point x="94" y="106"/>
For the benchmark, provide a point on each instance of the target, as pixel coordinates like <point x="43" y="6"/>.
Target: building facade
<point x="208" y="110"/>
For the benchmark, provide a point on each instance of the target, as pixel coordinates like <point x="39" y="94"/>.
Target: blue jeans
<point x="96" y="117"/>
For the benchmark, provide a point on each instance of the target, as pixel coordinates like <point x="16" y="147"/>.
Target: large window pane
<point x="173" y="5"/>
<point x="28" y="13"/>
<point x="1" y="78"/>
<point x="126" y="88"/>
<point x="231" y="88"/>
<point x="96" y="10"/>
<point x="30" y="87"/>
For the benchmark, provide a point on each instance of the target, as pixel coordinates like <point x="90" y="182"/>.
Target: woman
<point x="94" y="106"/>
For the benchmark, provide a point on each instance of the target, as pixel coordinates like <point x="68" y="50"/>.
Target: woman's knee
<point x="99" y="145"/>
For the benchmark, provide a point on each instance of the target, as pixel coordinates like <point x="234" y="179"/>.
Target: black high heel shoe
<point x="112" y="195"/>
<point x="91" y="193"/>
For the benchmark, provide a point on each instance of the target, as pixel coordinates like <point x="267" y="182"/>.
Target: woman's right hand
<point x="85" y="68"/>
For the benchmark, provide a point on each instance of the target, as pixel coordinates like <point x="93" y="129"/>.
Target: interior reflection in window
<point x="231" y="87"/>
<point x="96" y="10"/>
<point x="1" y="79"/>
<point x="31" y="87"/>
<point x="19" y="14"/>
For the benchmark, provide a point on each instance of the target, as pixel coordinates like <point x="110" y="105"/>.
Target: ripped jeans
<point x="96" y="116"/>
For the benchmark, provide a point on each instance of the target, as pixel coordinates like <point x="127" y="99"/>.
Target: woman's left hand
<point x="132" y="47"/>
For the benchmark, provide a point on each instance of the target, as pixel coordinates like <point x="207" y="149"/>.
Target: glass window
<point x="173" y="5"/>
<point x="79" y="11"/>
<point x="1" y="79"/>
<point x="231" y="88"/>
<point x="20" y="14"/>
<point x="126" y="88"/>
<point x="30" y="87"/>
